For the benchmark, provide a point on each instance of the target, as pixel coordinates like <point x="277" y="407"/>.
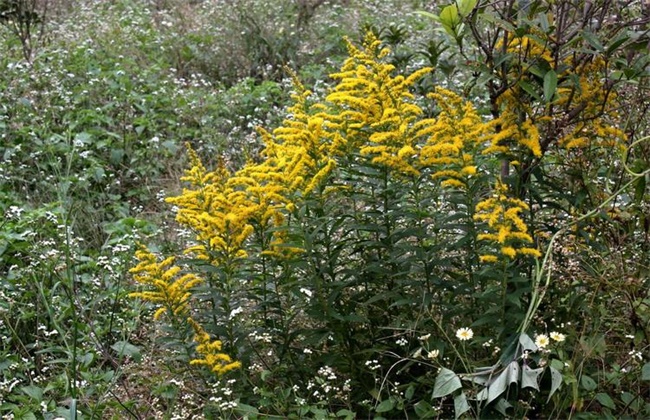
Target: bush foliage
<point x="444" y="215"/>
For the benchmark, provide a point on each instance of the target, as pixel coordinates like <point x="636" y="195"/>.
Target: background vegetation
<point x="360" y="279"/>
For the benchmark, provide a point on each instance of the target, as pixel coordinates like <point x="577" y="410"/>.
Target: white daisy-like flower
<point x="464" y="334"/>
<point x="556" y="336"/>
<point x="542" y="341"/>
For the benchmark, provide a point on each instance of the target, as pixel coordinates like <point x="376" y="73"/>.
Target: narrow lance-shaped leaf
<point x="550" y="85"/>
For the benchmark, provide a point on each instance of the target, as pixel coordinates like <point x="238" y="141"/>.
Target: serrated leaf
<point x="605" y="400"/>
<point x="446" y="383"/>
<point x="461" y="405"/>
<point x="550" y="85"/>
<point x="556" y="381"/>
<point x="530" y="377"/>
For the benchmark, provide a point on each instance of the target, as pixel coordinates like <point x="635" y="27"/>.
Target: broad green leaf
<point x="449" y="16"/>
<point x="530" y="377"/>
<point x="347" y="414"/>
<point x="424" y="410"/>
<point x="124" y="348"/>
<point x="449" y="19"/>
<point x="605" y="400"/>
<point x="409" y="392"/>
<point x="446" y="383"/>
<point x="645" y="372"/>
<point x="34" y="392"/>
<point x="527" y="343"/>
<point x="502" y="407"/>
<point x="386" y="405"/>
<point x="246" y="410"/>
<point x="461" y="405"/>
<point x="556" y="381"/>
<point x="550" y="85"/>
<point x="509" y="375"/>
<point x="465" y="7"/>
<point x="587" y="383"/>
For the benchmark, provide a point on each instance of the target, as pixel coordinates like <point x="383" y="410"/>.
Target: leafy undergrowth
<point x="445" y="214"/>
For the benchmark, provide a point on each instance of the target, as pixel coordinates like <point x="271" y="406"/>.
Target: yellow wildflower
<point x="210" y="350"/>
<point x="504" y="224"/>
<point x="171" y="291"/>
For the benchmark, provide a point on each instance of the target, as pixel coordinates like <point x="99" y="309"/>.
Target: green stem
<point x="543" y="272"/>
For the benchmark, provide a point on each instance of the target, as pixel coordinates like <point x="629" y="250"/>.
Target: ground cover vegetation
<point x="324" y="209"/>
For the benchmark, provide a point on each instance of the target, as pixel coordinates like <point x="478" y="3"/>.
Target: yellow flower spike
<point x="506" y="229"/>
<point x="171" y="292"/>
<point x="454" y="137"/>
<point x="210" y="352"/>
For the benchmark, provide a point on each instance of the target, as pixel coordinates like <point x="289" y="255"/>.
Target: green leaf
<point x="347" y="414"/>
<point x="449" y="19"/>
<point x="605" y="400"/>
<point x="246" y="410"/>
<point x="527" y="343"/>
<point x="645" y="372"/>
<point x="386" y="405"/>
<point x="590" y="37"/>
<point x="530" y="377"/>
<point x="34" y="392"/>
<point x="550" y="85"/>
<point x="509" y="375"/>
<point x="429" y="15"/>
<point x="529" y="89"/>
<point x="556" y="381"/>
<point x="124" y="348"/>
<point x="502" y="407"/>
<point x="449" y="16"/>
<point x="446" y="383"/>
<point x="410" y="391"/>
<point x="465" y="7"/>
<point x="587" y="383"/>
<point x="461" y="405"/>
<point x="424" y="410"/>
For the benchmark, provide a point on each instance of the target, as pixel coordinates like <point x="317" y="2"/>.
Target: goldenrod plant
<point x="443" y="218"/>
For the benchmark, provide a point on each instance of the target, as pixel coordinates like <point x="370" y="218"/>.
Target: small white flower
<point x="556" y="336"/>
<point x="433" y="354"/>
<point x="542" y="341"/>
<point x="464" y="334"/>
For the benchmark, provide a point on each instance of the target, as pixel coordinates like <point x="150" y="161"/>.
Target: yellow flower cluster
<point x="210" y="350"/>
<point x="452" y="138"/>
<point x="596" y="101"/>
<point x="369" y="98"/>
<point x="579" y="106"/>
<point x="170" y="291"/>
<point x="507" y="230"/>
